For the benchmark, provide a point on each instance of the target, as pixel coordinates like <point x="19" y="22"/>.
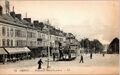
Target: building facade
<point x="21" y="38"/>
<point x="16" y="33"/>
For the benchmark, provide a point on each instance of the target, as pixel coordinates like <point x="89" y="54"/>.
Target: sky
<point x="84" y="18"/>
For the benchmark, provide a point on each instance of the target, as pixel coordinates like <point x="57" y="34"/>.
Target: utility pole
<point x="48" y="59"/>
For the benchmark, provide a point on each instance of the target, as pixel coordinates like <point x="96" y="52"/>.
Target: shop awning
<point x="2" y="51"/>
<point x="17" y="50"/>
<point x="27" y="49"/>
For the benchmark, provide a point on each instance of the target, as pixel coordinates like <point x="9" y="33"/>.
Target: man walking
<point x="53" y="56"/>
<point x="81" y="59"/>
<point x="103" y="54"/>
<point x="90" y="55"/>
<point x="39" y="64"/>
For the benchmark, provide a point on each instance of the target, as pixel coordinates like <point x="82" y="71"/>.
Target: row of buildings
<point x="21" y="38"/>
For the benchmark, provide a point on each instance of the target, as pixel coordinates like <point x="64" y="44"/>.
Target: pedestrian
<point x="81" y="59"/>
<point x="53" y="56"/>
<point x="61" y="54"/>
<point x="39" y="64"/>
<point x="103" y="54"/>
<point x="90" y="55"/>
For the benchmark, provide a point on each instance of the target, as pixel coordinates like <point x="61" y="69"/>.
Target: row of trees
<point x="94" y="46"/>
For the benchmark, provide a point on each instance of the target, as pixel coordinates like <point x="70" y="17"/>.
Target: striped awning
<point x="2" y="51"/>
<point x="17" y="50"/>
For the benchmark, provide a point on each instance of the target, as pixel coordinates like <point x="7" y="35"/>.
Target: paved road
<point x="99" y="64"/>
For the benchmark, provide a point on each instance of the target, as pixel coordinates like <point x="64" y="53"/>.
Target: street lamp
<point x="48" y="59"/>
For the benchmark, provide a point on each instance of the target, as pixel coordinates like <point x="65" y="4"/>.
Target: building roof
<point x="5" y="18"/>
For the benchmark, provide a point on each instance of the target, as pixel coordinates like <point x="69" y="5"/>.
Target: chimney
<point x="12" y="14"/>
<point x="1" y="10"/>
<point x="41" y="24"/>
<point x="18" y="16"/>
<point x="36" y="23"/>
<point x="27" y="19"/>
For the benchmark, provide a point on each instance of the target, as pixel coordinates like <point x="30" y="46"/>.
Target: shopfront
<point x="16" y="54"/>
<point x="3" y="55"/>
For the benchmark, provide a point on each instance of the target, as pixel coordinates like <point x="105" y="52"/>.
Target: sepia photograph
<point x="62" y="37"/>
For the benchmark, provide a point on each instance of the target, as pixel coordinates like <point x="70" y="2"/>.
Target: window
<point x="8" y="42"/>
<point x="17" y="33"/>
<point x="3" y="42"/>
<point x="16" y="43"/>
<point x="11" y="42"/>
<point x="24" y="43"/>
<point x="30" y="43"/>
<point x="31" y="35"/>
<point x="8" y="32"/>
<point x="11" y="32"/>
<point x="20" y="42"/>
<point x="28" y="34"/>
<point x="39" y="34"/>
<point x="23" y="33"/>
<point x="3" y="31"/>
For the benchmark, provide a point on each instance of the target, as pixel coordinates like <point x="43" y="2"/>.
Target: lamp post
<point x="48" y="59"/>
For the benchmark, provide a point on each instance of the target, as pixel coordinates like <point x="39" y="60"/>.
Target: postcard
<point x="73" y="37"/>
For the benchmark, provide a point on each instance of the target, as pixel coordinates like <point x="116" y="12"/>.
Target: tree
<point x="85" y="43"/>
<point x="113" y="46"/>
<point x="98" y="46"/>
<point x="91" y="46"/>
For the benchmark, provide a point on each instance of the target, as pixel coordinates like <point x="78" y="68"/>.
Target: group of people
<point x="82" y="60"/>
<point x="91" y="55"/>
<point x="57" y="55"/>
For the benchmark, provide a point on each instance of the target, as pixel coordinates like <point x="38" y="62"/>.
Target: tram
<point x="67" y="53"/>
